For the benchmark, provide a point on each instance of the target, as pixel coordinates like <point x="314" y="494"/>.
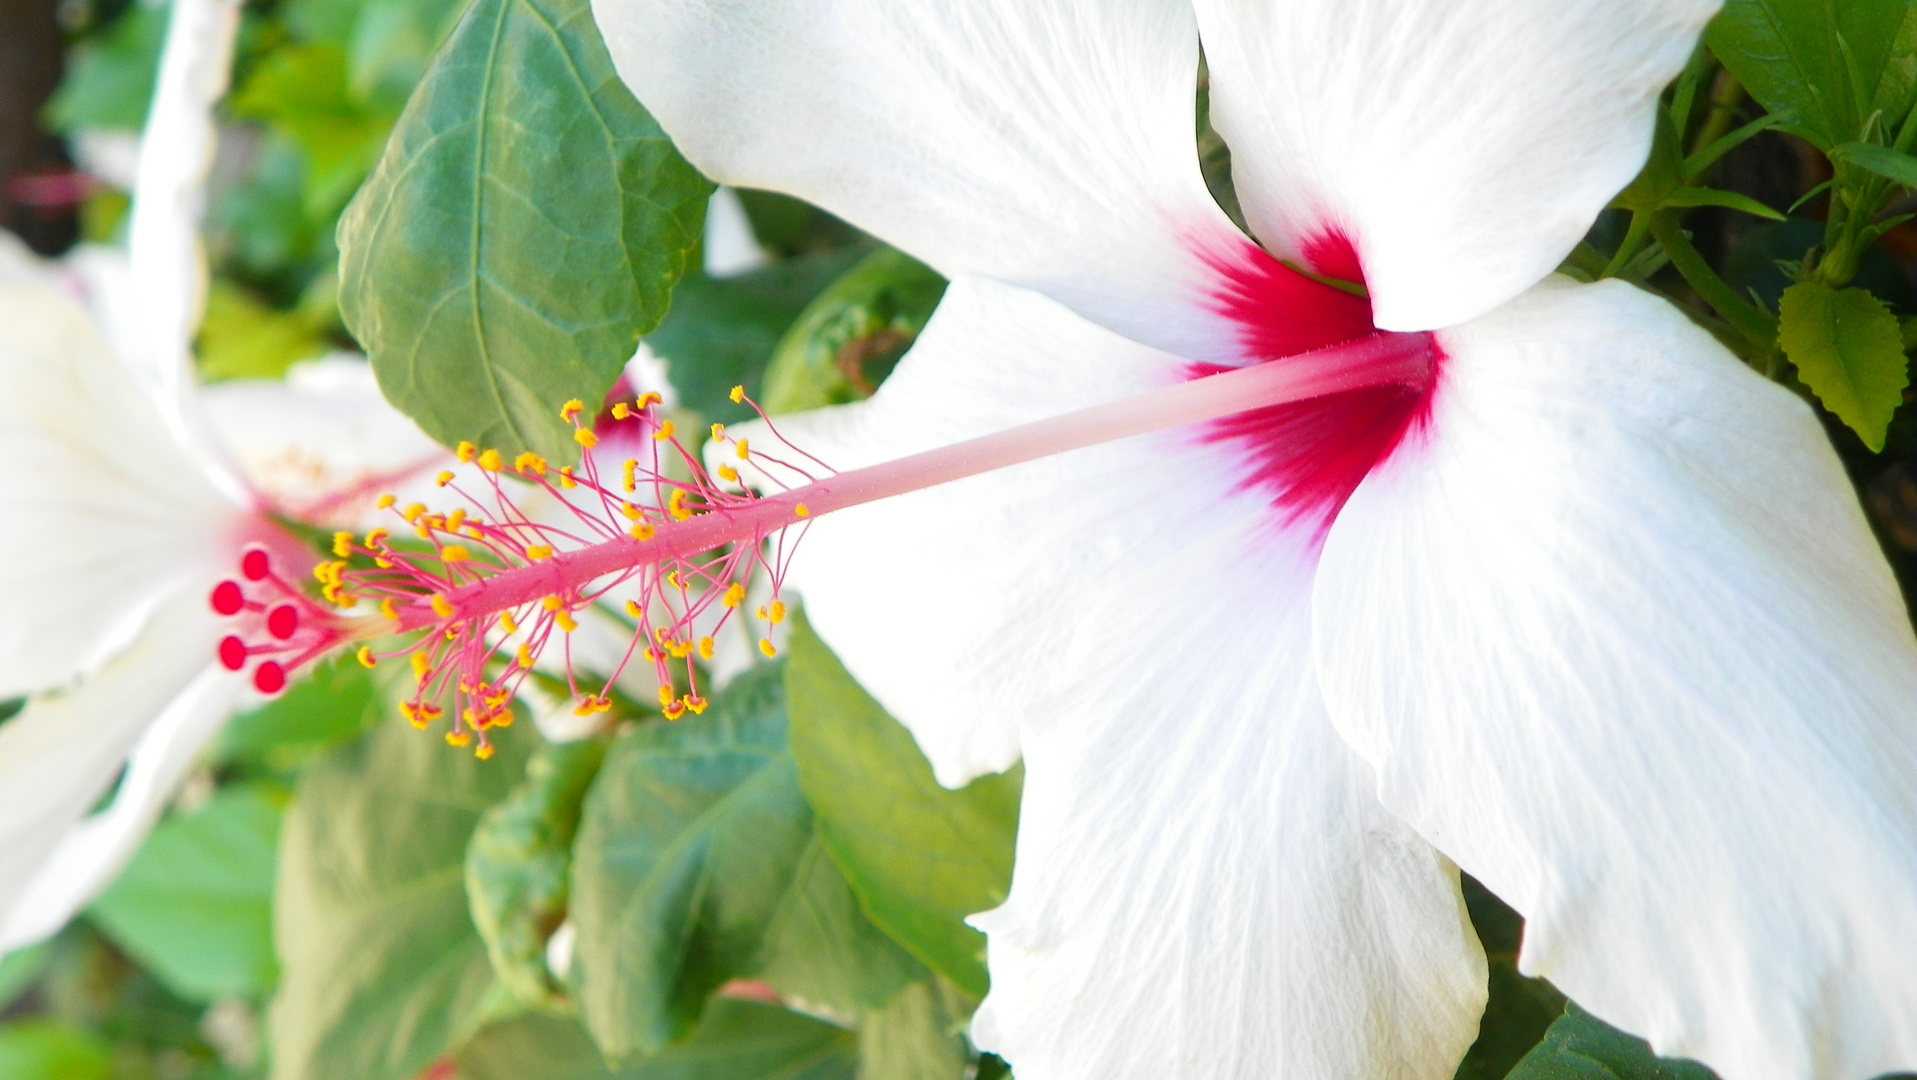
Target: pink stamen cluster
<point x="487" y="588"/>
<point x="478" y="596"/>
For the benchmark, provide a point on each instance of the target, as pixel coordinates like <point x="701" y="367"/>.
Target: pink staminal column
<point x="487" y="589"/>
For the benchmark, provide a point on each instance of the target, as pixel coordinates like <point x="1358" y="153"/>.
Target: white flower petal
<point x="897" y="586"/>
<point x="1205" y="887"/>
<point x="106" y="515"/>
<point x="1618" y="640"/>
<point x="324" y="443"/>
<point x="63" y="751"/>
<point x="730" y="246"/>
<point x="1044" y="142"/>
<point x="1461" y="147"/>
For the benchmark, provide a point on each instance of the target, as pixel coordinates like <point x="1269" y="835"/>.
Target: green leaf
<point x="1882" y="160"/>
<point x="519" y="865"/>
<point x="736" y="1040"/>
<point x="382" y="969"/>
<point x="1730" y="200"/>
<point x="109" y="78"/>
<point x="524" y="226"/>
<point x="1826" y="67"/>
<point x="849" y="338"/>
<point x="195" y="906"/>
<point x="916" y="1037"/>
<point x="302" y="91"/>
<point x="20" y="968"/>
<point x="1848" y="350"/>
<point x="823" y="954"/>
<point x="721" y="331"/>
<point x="331" y="705"/>
<point x="691" y="840"/>
<point x="920" y="858"/>
<point x="1519" y="1010"/>
<point x="46" y="1050"/>
<point x="242" y="338"/>
<point x="1582" y="1047"/>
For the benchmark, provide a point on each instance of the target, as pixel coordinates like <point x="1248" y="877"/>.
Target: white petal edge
<point x="168" y="267"/>
<point x="1462" y="147"/>
<point x="1205" y="887"/>
<point x="62" y="751"/>
<point x="106" y="513"/>
<point x="1617" y="639"/>
<point x="1048" y="143"/>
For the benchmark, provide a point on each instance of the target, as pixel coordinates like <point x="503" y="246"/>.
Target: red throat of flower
<point x="475" y="598"/>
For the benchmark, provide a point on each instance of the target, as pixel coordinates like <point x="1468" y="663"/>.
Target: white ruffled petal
<point x="1205" y="886"/>
<point x="324" y="444"/>
<point x="1044" y="142"/>
<point x="1617" y="638"/>
<point x="1462" y="147"/>
<point x="106" y="514"/>
<point x="897" y="586"/>
<point x="64" y="750"/>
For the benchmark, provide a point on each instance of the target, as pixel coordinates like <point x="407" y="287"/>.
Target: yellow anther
<point x="642" y="531"/>
<point x="551" y="603"/>
<point x="412" y="513"/>
<point x="571" y="409"/>
<point x="475" y="532"/>
<point x="587" y="706"/>
<point x="385" y="502"/>
<point x="454" y="553"/>
<point x="441" y="608"/>
<point x="432" y="712"/>
<point x="762" y="613"/>
<point x="737" y="395"/>
<point x="445" y="477"/>
<point x="563" y="620"/>
<point x="649" y="656"/>
<point x="407" y="710"/>
<point x="664" y="432"/>
<point x="565" y="478"/>
<point x="632" y="512"/>
<point x="718" y="432"/>
<point x="323" y="573"/>
<point x="538" y="552"/>
<point x="376" y="537"/>
<point x="452" y="633"/>
<point x="778" y="612"/>
<point x="765" y="646"/>
<point x="383" y="564"/>
<point x="424" y="530"/>
<point x="530" y="462"/>
<point x="665" y="695"/>
<point x="458" y="738"/>
<point x="705" y="648"/>
<point x="729" y="474"/>
<point x="632" y="609"/>
<point x="421" y="666"/>
<point x="465" y="451"/>
<point x="647" y="400"/>
<point x="672" y="579"/>
<point x="620" y="411"/>
<point x="679" y="650"/>
<point x="365" y="656"/>
<point x="735" y="595"/>
<point x="696" y="704"/>
<point x="801" y="511"/>
<point x="387" y="609"/>
<point x="342" y="544"/>
<point x="503" y="718"/>
<point x="525" y="656"/>
<point x="585" y="437"/>
<point x="483" y="751"/>
<point x="491" y="461"/>
<point x="507" y="624"/>
<point x="676" y="505"/>
<point x="675" y="710"/>
<point x="454" y="520"/>
<point x="626" y="476"/>
<point x="743" y="451"/>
